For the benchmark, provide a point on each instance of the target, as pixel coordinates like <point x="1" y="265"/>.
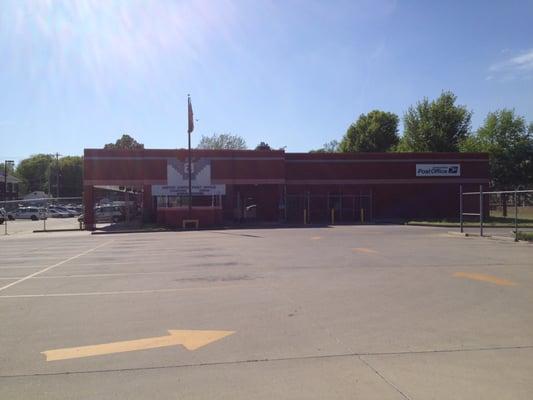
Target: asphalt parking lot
<point x="350" y="312"/>
<point x="25" y="226"/>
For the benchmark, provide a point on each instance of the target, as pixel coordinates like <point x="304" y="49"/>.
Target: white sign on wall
<point x="178" y="179"/>
<point x="438" y="170"/>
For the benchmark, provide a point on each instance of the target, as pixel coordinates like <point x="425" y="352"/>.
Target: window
<point x="161" y="201"/>
<point x="173" y="201"/>
<point x="183" y="201"/>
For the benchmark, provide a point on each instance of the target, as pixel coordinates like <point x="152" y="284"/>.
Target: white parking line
<point x="103" y="275"/>
<point x="19" y="296"/>
<point x="105" y="264"/>
<point x="29" y="257"/>
<point x="53" y="266"/>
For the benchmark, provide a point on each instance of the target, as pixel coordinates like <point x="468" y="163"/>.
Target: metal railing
<point x="517" y="196"/>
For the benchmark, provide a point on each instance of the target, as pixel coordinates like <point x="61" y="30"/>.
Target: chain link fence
<point x="499" y="209"/>
<point x="112" y="209"/>
<point x="505" y="206"/>
<point x="41" y="214"/>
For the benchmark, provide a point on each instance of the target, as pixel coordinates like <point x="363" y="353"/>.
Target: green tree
<point x="222" y="141"/>
<point x="509" y="142"/>
<point x="125" y="142"/>
<point x="376" y="131"/>
<point x="330" y="147"/>
<point x="263" y="146"/>
<point x="33" y="172"/>
<point x="70" y="176"/>
<point x="435" y="126"/>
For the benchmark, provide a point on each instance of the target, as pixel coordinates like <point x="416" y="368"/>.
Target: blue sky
<point x="79" y="74"/>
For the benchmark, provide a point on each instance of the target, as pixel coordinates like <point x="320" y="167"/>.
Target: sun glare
<point x="102" y="40"/>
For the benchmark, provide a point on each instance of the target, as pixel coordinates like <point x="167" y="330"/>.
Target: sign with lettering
<point x="178" y="179"/>
<point x="438" y="170"/>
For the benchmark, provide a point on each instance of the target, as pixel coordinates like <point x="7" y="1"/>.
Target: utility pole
<point x="57" y="174"/>
<point x="6" y="163"/>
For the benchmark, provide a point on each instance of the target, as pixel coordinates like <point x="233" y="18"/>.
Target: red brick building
<point x="244" y="186"/>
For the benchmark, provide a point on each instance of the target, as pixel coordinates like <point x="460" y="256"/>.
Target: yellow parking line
<point x="316" y="238"/>
<point x="484" y="278"/>
<point x="364" y="250"/>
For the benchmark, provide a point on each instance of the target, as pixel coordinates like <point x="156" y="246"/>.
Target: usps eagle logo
<point x="178" y="172"/>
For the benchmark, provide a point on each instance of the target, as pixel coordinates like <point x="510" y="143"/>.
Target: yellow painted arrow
<point x="484" y="278"/>
<point x="191" y="340"/>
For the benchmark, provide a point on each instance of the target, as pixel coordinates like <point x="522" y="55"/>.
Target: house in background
<point x="12" y="188"/>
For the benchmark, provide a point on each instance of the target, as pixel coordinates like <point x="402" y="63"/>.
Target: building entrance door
<point x="329" y="208"/>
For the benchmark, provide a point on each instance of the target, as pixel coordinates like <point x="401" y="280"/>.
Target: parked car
<point x="10" y="215"/>
<point x="33" y="213"/>
<point x="53" y="213"/>
<point x="74" y="210"/>
<point x="63" y="211"/>
<point x="106" y="214"/>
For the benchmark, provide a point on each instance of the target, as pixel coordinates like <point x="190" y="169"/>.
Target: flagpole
<point x="190" y="179"/>
<point x="189" y="130"/>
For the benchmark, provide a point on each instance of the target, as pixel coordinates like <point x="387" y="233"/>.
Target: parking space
<point x="385" y="312"/>
<point x="25" y="226"/>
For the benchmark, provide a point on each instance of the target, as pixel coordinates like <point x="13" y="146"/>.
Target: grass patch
<point x="491" y="221"/>
<point x="524" y="213"/>
<point x="522" y="220"/>
<point x="525" y="236"/>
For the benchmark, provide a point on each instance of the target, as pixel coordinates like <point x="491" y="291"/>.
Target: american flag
<point x="191" y="118"/>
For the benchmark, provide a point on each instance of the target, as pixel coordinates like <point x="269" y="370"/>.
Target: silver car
<point x="33" y="213"/>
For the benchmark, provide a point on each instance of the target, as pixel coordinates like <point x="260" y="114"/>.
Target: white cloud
<point x="519" y="66"/>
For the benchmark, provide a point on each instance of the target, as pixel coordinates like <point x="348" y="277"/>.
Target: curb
<point x="468" y="226"/>
<point x="129" y="231"/>
<point x="506" y="238"/>
<point x="434" y="225"/>
<point x="493" y="237"/>
<point x="463" y="234"/>
<point x="58" y="230"/>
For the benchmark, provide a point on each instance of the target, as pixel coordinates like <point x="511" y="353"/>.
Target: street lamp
<point x="6" y="163"/>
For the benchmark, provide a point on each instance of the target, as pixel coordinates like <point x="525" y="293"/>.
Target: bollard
<point x="515" y="217"/>
<point x="332" y="216"/>
<point x="362" y="215"/>
<point x="305" y="216"/>
<point x="481" y="210"/>
<point x="461" y="208"/>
